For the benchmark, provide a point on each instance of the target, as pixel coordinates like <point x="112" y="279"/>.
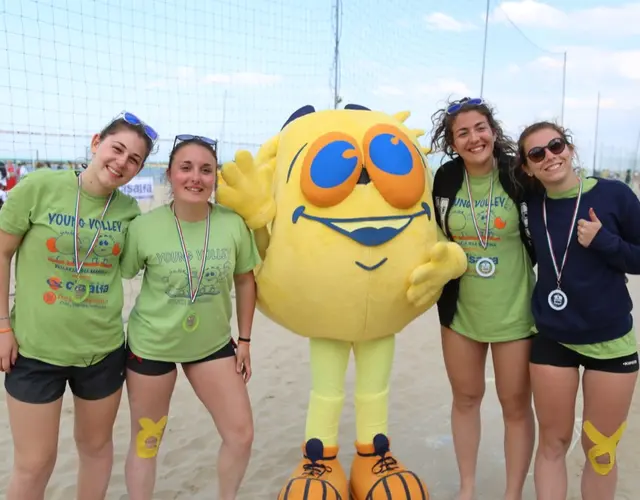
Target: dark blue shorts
<point x="34" y="381"/>
<point x="546" y="351"/>
<point x="152" y="367"/>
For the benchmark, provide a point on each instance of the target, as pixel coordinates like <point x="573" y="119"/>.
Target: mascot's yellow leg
<point x="375" y="473"/>
<point x="319" y="475"/>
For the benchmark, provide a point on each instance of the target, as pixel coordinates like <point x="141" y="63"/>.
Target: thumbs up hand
<point x="587" y="229"/>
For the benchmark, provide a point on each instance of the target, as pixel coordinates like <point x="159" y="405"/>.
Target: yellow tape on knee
<point x="602" y="445"/>
<point x="149" y="437"/>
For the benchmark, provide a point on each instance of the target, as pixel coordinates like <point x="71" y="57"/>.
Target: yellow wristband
<point x="6" y="330"/>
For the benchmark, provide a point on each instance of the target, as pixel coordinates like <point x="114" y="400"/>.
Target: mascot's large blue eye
<point x="333" y="164"/>
<point x="390" y="154"/>
<point x="330" y="169"/>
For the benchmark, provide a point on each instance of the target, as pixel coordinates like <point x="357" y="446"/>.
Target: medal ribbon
<point x="77" y="263"/>
<point x="473" y="212"/>
<point x="194" y="292"/>
<point x="546" y="228"/>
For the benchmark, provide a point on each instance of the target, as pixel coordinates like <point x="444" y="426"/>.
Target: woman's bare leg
<point x="511" y="366"/>
<point x="34" y="428"/>
<point x="149" y="401"/>
<point x="223" y="392"/>
<point x="554" y="396"/>
<point x="465" y="361"/>
<point x="607" y="399"/>
<point x="93" y="432"/>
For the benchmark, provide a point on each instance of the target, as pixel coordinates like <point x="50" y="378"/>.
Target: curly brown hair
<point x="517" y="168"/>
<point x="443" y="119"/>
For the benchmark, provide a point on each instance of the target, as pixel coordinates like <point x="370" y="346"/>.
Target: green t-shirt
<point x="623" y="346"/>
<point x="495" y="308"/>
<point x="155" y="330"/>
<point x="48" y="324"/>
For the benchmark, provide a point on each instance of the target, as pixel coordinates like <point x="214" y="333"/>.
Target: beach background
<point x="419" y="422"/>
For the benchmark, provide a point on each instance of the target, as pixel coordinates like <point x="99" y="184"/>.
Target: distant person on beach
<point x="3" y="183"/>
<point x="490" y="305"/>
<point x="68" y="230"/>
<point x="22" y="171"/>
<point x="193" y="253"/>
<point x="12" y="176"/>
<point x="586" y="235"/>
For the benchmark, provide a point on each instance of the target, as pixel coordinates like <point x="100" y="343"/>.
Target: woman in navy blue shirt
<point x="586" y="234"/>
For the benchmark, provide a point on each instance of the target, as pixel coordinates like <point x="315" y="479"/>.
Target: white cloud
<point x="628" y="63"/>
<point x="242" y="78"/>
<point x="536" y="93"/>
<point x="513" y="69"/>
<point x="594" y="64"/>
<point x="182" y="77"/>
<point x="583" y="103"/>
<point x="187" y="75"/>
<point x="408" y="87"/>
<point x="589" y="69"/>
<point x="549" y="62"/>
<point x="444" y="22"/>
<point x="530" y="13"/>
<point x="445" y="86"/>
<point x="622" y="20"/>
<point x="388" y="90"/>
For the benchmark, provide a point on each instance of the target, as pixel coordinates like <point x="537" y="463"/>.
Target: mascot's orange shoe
<point x="376" y="475"/>
<point x="319" y="476"/>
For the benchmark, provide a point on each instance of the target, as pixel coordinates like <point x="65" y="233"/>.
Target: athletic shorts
<point x="36" y="382"/>
<point x="152" y="367"/>
<point x="545" y="351"/>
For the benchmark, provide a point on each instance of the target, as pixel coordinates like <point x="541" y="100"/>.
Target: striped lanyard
<point x="77" y="263"/>
<point x="550" y="243"/>
<point x="484" y="242"/>
<point x="193" y="292"/>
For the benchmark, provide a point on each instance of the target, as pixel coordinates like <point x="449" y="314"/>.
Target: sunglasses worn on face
<point x="188" y="137"/>
<point x="458" y="105"/>
<point x="132" y="119"/>
<point x="556" y="146"/>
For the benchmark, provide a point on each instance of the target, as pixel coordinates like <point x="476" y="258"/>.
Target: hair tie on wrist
<point x="243" y="339"/>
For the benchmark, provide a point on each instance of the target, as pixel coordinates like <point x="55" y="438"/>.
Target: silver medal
<point x="485" y="267"/>
<point x="557" y="299"/>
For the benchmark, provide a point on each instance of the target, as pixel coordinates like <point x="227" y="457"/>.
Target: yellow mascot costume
<point x="341" y="205"/>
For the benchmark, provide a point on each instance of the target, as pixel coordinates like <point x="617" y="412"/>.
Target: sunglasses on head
<point x="132" y="119"/>
<point x="466" y="101"/>
<point x="188" y="137"/>
<point x="556" y="146"/>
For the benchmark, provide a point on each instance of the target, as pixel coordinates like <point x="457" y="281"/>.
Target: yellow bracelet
<point x="6" y="330"/>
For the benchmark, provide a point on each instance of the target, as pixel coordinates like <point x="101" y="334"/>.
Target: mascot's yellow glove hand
<point x="245" y="188"/>
<point x="446" y="261"/>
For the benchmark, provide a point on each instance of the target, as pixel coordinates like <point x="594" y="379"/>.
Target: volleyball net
<point x="234" y="70"/>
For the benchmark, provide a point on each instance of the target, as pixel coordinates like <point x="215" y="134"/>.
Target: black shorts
<point x="37" y="382"/>
<point x="152" y="367"/>
<point x="545" y="351"/>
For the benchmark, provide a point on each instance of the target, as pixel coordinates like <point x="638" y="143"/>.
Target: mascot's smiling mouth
<point x="367" y="231"/>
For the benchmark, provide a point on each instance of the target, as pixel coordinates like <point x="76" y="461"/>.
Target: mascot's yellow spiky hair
<point x="341" y="205"/>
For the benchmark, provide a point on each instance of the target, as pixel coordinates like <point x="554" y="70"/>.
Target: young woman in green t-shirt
<point x="192" y="253"/>
<point x="479" y="208"/>
<point x="67" y="230"/>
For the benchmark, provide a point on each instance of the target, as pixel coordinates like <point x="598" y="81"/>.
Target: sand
<point x="418" y="423"/>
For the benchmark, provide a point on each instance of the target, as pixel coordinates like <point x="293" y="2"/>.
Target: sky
<point x="234" y="70"/>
